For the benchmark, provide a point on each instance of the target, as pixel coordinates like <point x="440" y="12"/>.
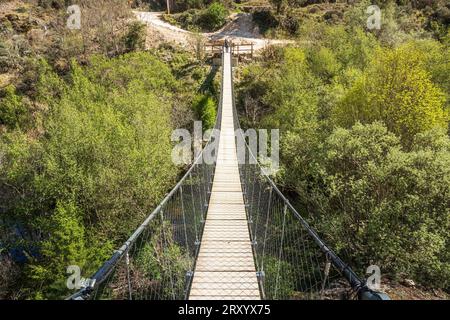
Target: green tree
<point x="134" y="39"/>
<point x="13" y="111"/>
<point x="293" y="97"/>
<point x="387" y="206"/>
<point x="103" y="163"/>
<point x="213" y="17"/>
<point x="205" y="107"/>
<point x="397" y="90"/>
<point x="65" y="246"/>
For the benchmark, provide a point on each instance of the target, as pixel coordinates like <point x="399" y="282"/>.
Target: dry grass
<point x="5" y="79"/>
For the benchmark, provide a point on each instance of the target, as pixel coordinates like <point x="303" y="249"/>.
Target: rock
<point x="409" y="283"/>
<point x="333" y="15"/>
<point x="21" y="24"/>
<point x="313" y="10"/>
<point x="12" y="17"/>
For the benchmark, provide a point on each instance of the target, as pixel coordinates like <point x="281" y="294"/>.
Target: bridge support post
<point x="187" y="287"/>
<point x="127" y="261"/>
<point x="260" y="275"/>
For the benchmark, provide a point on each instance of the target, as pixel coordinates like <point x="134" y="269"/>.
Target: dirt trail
<point x="240" y="29"/>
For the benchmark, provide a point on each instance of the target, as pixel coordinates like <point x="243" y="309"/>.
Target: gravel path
<point x="240" y="29"/>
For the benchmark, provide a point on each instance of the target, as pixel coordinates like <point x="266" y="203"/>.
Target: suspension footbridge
<point x="225" y="232"/>
<point x="225" y="268"/>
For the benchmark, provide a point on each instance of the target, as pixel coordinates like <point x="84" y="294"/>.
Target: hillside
<point x="86" y="118"/>
<point x="88" y="115"/>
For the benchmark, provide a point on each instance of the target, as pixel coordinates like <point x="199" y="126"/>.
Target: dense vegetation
<point x="85" y="151"/>
<point x="209" y="18"/>
<point x="365" y="150"/>
<point x="286" y="17"/>
<point x="86" y="117"/>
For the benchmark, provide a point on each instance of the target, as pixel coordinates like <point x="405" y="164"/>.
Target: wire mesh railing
<point x="291" y="260"/>
<point x="158" y="260"/>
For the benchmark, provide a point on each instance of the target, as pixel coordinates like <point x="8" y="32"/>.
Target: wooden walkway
<point x="225" y="267"/>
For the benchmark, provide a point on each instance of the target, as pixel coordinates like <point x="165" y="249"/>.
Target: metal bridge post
<point x="188" y="282"/>
<point x="280" y="251"/>
<point x="326" y="274"/>
<point x="261" y="273"/>
<point x="127" y="261"/>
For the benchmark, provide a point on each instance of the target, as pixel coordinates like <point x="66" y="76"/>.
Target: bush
<point x="13" y="112"/>
<point x="205" y="107"/>
<point x="214" y="17"/>
<point x="103" y="163"/>
<point x="387" y="206"/>
<point x="398" y="90"/>
<point x="290" y="23"/>
<point x="134" y="39"/>
<point x="265" y="20"/>
<point x="210" y="19"/>
<point x="65" y="247"/>
<point x="323" y="63"/>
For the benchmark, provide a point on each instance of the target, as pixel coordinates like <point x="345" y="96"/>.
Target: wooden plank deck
<point x="225" y="268"/>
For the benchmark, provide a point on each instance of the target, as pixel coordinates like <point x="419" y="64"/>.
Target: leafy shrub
<point x="13" y="111"/>
<point x="209" y="19"/>
<point x="397" y="90"/>
<point x="65" y="247"/>
<point x="323" y="63"/>
<point x="205" y="107"/>
<point x="102" y="165"/>
<point x="214" y="17"/>
<point x="134" y="39"/>
<point x="186" y="20"/>
<point x="389" y="205"/>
